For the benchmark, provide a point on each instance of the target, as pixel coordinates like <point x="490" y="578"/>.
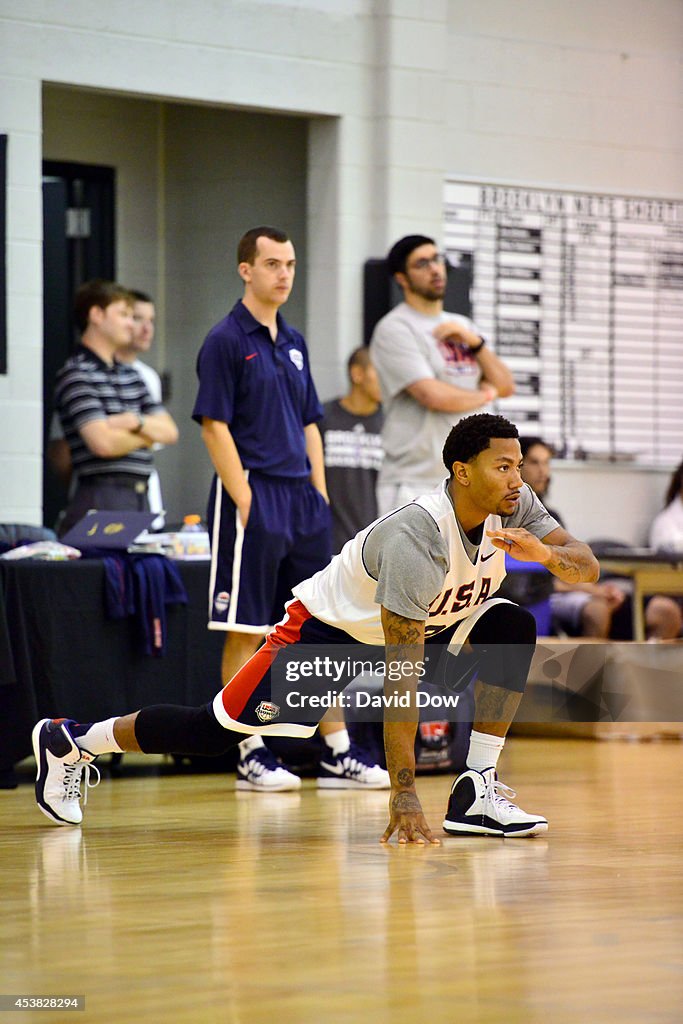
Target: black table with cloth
<point x="61" y="656"/>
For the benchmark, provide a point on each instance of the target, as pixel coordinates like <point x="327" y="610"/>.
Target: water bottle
<point x="192" y="524"/>
<point x="192" y="540"/>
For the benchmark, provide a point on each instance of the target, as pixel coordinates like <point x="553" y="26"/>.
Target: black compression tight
<point x="503" y="642"/>
<point x="172" y="729"/>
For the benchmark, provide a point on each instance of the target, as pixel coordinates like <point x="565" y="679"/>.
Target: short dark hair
<point x="248" y="243"/>
<point x="472" y="435"/>
<point x="401" y="250"/>
<point x="97" y="293"/>
<point x="359" y="357"/>
<point x="140" y="296"/>
<point x="526" y="442"/>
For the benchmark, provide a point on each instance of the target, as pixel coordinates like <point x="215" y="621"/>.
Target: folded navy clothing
<point x="141" y="586"/>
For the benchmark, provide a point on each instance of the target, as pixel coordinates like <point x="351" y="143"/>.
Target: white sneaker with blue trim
<point x="354" y="769"/>
<point x="261" y="771"/>
<point x="61" y="766"/>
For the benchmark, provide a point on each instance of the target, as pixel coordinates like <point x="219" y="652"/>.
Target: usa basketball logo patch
<point x="297" y="358"/>
<point x="267" y="711"/>
<point x="221" y="601"/>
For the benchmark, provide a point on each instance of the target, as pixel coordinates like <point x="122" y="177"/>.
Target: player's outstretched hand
<point x="406" y="818"/>
<point x="520" y="544"/>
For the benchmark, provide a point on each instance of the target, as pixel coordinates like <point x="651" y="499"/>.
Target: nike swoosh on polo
<point x="336" y="769"/>
<point x="252" y="356"/>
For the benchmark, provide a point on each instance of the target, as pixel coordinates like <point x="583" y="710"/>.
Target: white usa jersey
<point x="467" y="584"/>
<point x="344" y="593"/>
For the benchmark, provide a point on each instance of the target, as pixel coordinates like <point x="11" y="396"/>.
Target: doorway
<point x="78" y="245"/>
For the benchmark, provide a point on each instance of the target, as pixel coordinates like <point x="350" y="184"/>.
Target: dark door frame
<point x="79" y="244"/>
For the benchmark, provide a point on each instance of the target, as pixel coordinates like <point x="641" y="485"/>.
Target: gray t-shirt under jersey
<point x="408" y="556"/>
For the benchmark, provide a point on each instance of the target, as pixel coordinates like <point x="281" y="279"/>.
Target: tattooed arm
<point x="404" y="640"/>
<point x="563" y="555"/>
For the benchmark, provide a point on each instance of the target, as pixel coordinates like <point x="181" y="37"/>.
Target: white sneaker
<point x="60" y="767"/>
<point x="355" y="769"/>
<point x="479" y="805"/>
<point x="260" y="770"/>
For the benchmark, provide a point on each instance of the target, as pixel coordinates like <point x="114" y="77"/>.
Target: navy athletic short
<point x="287" y="539"/>
<point x="256" y="699"/>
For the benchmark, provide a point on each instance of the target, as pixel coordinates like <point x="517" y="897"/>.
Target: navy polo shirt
<point x="262" y="389"/>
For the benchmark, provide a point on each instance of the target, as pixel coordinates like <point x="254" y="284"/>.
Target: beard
<point x="430" y="292"/>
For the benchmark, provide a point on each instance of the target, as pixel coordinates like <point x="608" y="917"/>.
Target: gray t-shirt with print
<point x="404" y="350"/>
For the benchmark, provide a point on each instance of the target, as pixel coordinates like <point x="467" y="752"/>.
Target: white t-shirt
<point x="666" y="532"/>
<point x="403" y="351"/>
<point x="153" y="384"/>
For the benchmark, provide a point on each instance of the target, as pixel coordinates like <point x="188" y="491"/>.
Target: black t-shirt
<point x="353" y="456"/>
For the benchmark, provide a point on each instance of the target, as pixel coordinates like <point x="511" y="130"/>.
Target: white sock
<point x="251" y="743"/>
<point x="99" y="739"/>
<point x="484" y="750"/>
<point x="338" y="742"/>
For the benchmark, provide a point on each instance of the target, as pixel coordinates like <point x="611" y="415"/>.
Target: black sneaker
<point x="479" y="806"/>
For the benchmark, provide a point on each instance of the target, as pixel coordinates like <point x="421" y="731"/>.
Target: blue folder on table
<point x="114" y="530"/>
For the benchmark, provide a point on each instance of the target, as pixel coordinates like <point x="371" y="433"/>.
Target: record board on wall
<point x="582" y="295"/>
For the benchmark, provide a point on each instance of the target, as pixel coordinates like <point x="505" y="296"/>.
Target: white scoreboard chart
<point x="582" y="296"/>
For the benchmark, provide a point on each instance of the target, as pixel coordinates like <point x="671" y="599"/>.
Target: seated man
<point x="423" y="575"/>
<point x="588" y="609"/>
<point x="580" y="609"/>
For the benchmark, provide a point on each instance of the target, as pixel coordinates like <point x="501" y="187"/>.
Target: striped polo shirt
<point x="88" y="389"/>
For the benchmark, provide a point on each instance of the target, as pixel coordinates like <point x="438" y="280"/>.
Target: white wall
<point x="123" y="133"/>
<point x="585" y="94"/>
<point x="608" y="502"/>
<point x="21" y="419"/>
<point x="398" y="94"/>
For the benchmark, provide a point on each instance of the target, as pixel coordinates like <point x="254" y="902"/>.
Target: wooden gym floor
<point x="182" y="901"/>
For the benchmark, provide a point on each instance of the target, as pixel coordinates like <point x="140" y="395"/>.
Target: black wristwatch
<point x="479" y="347"/>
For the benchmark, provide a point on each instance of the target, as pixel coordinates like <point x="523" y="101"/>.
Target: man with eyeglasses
<point x="434" y="368"/>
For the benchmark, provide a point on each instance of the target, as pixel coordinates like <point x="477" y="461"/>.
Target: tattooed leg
<point x="494" y="708"/>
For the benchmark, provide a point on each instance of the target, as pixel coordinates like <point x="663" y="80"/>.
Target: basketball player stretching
<point x="424" y="574"/>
